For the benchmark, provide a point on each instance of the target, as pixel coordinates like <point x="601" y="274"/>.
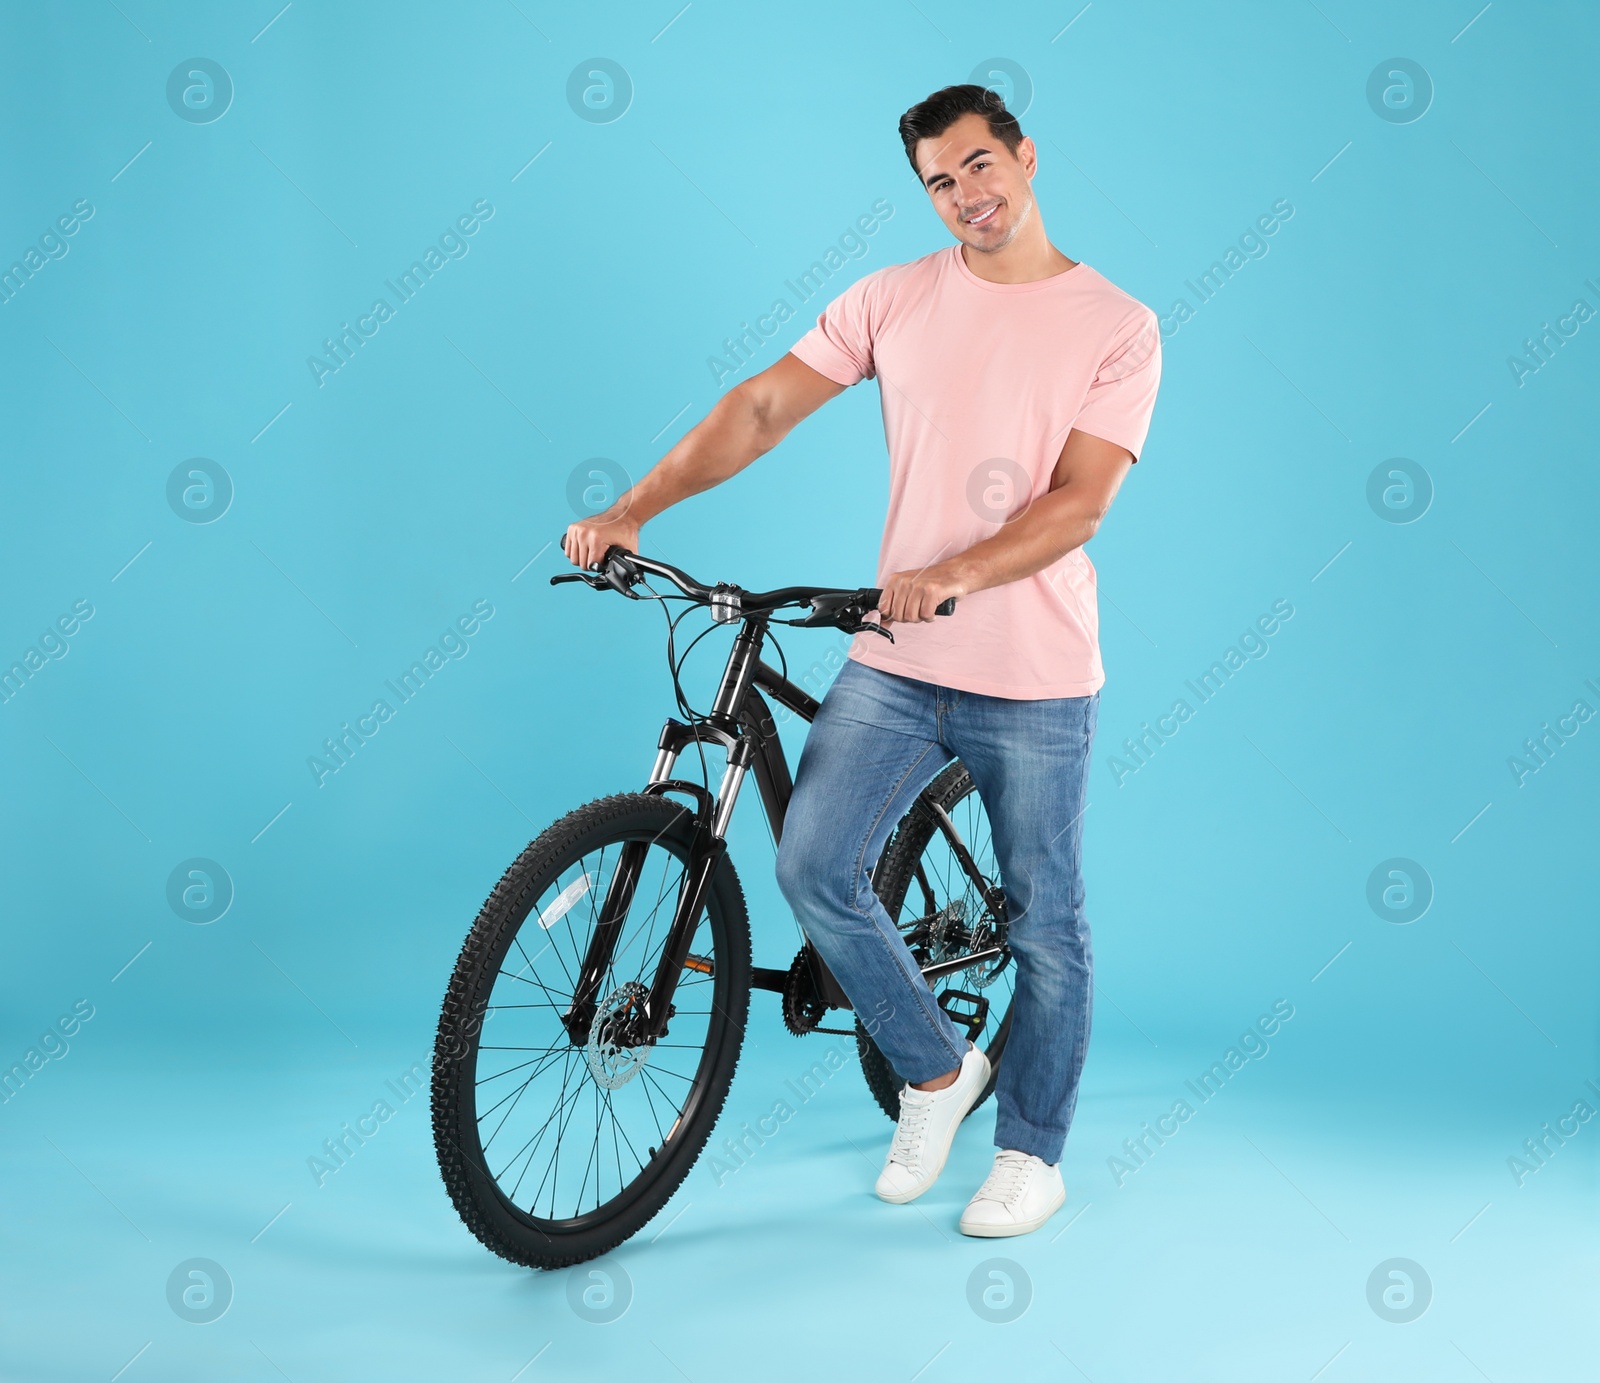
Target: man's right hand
<point x="586" y="541"/>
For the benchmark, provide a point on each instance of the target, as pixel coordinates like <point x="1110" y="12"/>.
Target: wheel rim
<point x="569" y="1131"/>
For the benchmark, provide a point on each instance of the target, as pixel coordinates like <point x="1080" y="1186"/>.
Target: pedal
<point x="974" y="1020"/>
<point x="701" y="965"/>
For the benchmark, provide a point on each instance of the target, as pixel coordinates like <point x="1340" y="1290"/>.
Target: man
<point x="1017" y="388"/>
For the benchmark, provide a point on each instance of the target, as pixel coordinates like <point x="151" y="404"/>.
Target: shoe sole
<point x="1006" y="1231"/>
<point x="906" y="1197"/>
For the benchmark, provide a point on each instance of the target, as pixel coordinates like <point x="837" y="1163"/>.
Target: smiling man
<point x="1017" y="388"/>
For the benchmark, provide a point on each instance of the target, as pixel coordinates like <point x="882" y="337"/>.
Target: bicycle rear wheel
<point x="557" y="1146"/>
<point x="943" y="914"/>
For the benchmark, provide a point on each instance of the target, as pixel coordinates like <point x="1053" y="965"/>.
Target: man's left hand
<point x="911" y="597"/>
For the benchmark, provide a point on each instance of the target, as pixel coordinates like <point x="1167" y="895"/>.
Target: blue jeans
<point x="877" y="741"/>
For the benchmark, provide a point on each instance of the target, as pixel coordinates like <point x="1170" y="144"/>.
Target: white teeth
<point x="978" y="220"/>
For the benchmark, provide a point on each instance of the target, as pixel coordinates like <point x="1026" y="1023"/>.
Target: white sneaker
<point x="1021" y="1192"/>
<point x="928" y="1123"/>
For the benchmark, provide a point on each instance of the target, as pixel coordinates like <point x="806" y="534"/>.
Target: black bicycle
<point x="594" y="1019"/>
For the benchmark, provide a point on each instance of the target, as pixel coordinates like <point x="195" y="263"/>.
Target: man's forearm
<point x="1053" y="526"/>
<point x="1065" y="517"/>
<point x="720" y="445"/>
<point x="747" y="422"/>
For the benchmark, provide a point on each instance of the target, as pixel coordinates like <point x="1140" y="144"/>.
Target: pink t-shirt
<point x="981" y="383"/>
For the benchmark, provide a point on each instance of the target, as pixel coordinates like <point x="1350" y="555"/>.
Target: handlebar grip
<point x="946" y="606"/>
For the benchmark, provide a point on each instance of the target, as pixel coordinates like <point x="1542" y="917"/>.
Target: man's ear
<point x="1028" y="156"/>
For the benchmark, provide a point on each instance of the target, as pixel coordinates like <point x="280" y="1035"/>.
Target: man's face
<point x="979" y="188"/>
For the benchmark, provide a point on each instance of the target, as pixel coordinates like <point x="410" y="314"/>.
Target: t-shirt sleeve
<point x="1123" y="395"/>
<point x="840" y="345"/>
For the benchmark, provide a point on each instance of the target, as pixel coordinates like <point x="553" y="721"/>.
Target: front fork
<point x="712" y="816"/>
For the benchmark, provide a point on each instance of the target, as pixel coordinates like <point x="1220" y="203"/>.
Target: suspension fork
<point x="704" y="856"/>
<point x="579" y="1016"/>
<point x="705" y="853"/>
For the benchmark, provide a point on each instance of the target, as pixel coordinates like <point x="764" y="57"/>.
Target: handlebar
<point x="844" y="608"/>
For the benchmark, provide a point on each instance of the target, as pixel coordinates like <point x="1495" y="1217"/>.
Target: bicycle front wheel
<point x="557" y="1145"/>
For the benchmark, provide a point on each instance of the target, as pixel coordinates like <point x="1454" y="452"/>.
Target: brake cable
<point x="676" y="661"/>
<point x="675" y="670"/>
<point x="675" y="665"/>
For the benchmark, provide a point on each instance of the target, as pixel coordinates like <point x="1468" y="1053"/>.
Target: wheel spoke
<point x="552" y="1173"/>
<point x="566" y="1075"/>
<point x="549" y="1058"/>
<point x="539" y="984"/>
<point x="516" y="1098"/>
<point x="561" y="1108"/>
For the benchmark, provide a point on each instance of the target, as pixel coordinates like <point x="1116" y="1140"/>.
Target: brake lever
<point x="862" y="625"/>
<point x="945" y="607"/>
<point x="846" y="613"/>
<point x="616" y="572"/>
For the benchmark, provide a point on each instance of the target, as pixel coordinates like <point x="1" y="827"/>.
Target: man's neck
<point x="1026" y="259"/>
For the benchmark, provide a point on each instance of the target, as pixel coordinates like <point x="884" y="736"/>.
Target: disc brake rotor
<point x="990" y="930"/>
<point x="982" y="976"/>
<point x="610" y="1062"/>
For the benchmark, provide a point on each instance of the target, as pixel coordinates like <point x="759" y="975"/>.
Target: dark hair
<point x="931" y="118"/>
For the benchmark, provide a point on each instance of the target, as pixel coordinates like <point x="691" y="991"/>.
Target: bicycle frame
<point x="741" y="722"/>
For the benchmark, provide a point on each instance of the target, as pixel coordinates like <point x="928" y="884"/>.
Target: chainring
<point x="803" y="1008"/>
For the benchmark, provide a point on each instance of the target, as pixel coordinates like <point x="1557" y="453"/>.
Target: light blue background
<point x="433" y="470"/>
